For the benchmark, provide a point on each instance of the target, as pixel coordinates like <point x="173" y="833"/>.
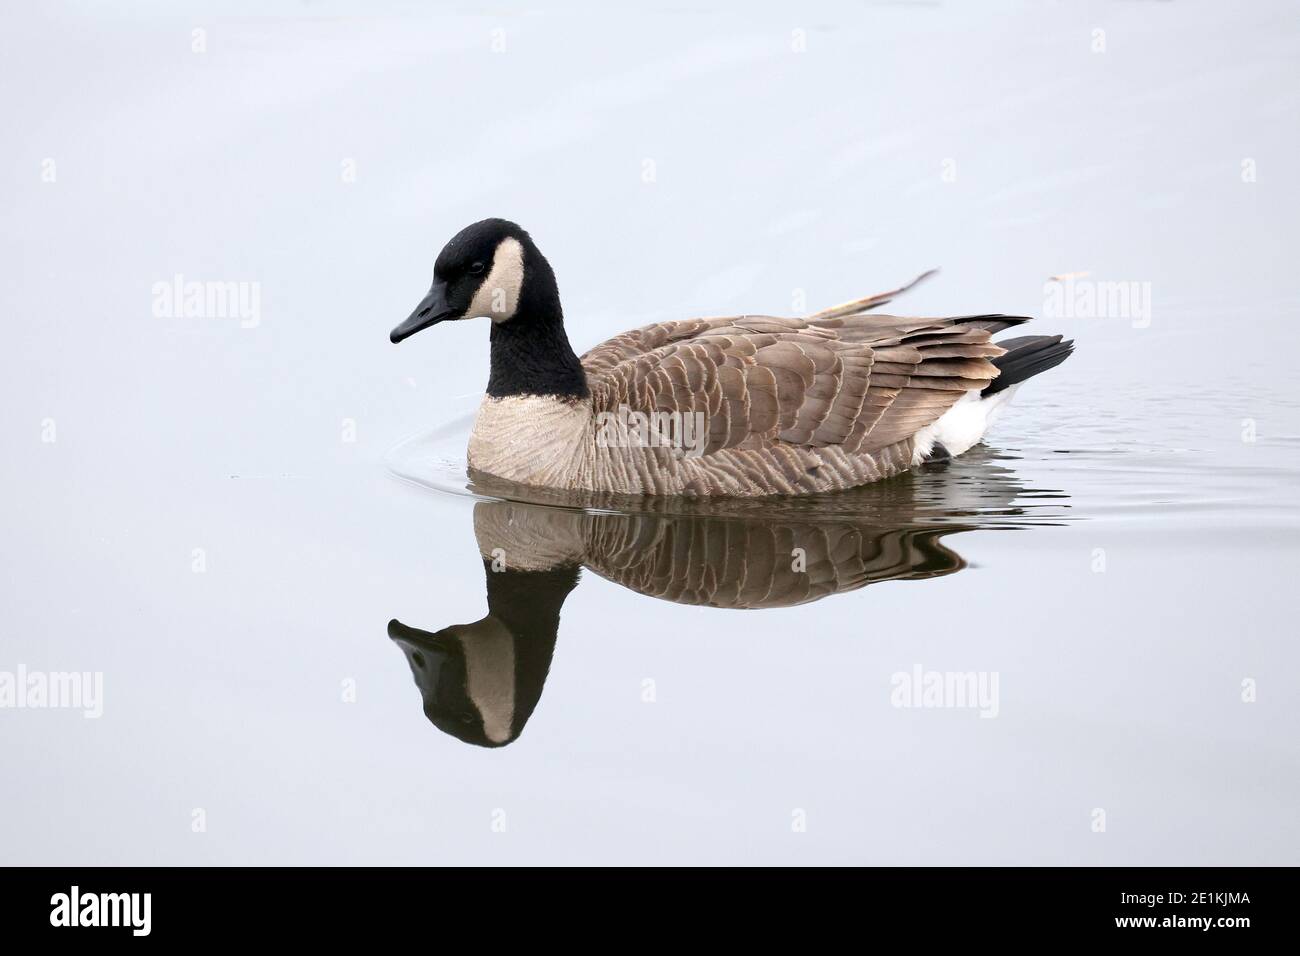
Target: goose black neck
<point x="531" y="354"/>
<point x="529" y="602"/>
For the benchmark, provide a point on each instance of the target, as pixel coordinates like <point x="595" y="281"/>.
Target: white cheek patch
<point x="498" y="296"/>
<point x="490" y="677"/>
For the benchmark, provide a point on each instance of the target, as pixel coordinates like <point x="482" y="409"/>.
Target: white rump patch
<point x="498" y="296"/>
<point x="961" y="427"/>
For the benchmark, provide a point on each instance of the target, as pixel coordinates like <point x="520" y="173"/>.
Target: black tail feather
<point x="1027" y="355"/>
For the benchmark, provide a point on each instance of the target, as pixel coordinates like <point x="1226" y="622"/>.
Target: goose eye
<point x="476" y="269"/>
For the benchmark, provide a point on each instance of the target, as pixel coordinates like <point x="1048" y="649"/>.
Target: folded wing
<point x="852" y="379"/>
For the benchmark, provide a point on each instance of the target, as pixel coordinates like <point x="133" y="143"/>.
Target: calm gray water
<point x="220" y="514"/>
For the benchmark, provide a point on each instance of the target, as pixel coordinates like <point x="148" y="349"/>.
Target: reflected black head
<point x="481" y="682"/>
<point x="437" y="662"/>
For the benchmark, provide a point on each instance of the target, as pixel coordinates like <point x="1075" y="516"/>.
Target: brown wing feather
<point x="859" y="380"/>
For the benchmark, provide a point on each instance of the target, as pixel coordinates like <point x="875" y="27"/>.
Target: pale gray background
<point x="776" y="171"/>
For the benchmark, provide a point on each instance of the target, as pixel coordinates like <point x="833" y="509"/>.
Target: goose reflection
<point x="480" y="682"/>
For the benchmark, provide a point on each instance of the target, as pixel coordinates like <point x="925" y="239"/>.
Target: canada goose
<point x="731" y="406"/>
<point x="481" y="682"/>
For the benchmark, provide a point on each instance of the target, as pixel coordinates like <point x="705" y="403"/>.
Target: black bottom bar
<point x="440" y="905"/>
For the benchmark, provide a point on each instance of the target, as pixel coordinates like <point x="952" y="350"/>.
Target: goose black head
<point x="491" y="269"/>
<point x="494" y="269"/>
